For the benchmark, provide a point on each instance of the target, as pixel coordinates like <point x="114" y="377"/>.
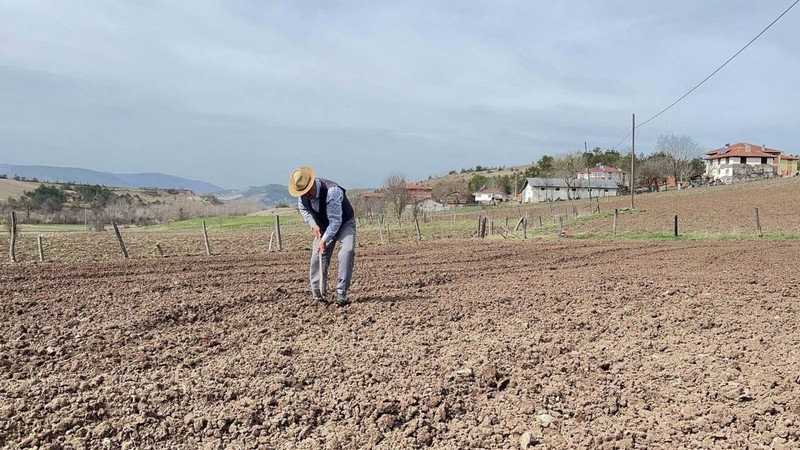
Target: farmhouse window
<point x="605" y="190"/>
<point x="541" y="189"/>
<point x="743" y="160"/>
<point x="763" y="160"/>
<point x="558" y="189"/>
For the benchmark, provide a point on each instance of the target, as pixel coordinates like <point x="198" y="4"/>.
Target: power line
<point x="712" y="73"/>
<point x="623" y="139"/>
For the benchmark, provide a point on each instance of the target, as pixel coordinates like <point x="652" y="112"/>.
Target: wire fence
<point x="763" y="210"/>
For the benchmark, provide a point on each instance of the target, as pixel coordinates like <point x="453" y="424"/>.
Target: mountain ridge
<point x="55" y="174"/>
<point x="268" y="195"/>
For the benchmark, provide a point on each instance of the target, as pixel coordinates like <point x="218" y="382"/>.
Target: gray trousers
<point x="347" y="245"/>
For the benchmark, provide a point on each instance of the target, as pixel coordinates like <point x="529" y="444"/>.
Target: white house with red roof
<point x="743" y="161"/>
<point x="601" y="172"/>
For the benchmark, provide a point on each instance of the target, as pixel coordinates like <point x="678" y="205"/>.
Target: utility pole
<point x="588" y="176"/>
<point x="633" y="154"/>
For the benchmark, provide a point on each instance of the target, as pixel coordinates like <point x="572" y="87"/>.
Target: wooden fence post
<point x="560" y="226"/>
<point x="758" y="224"/>
<point x="159" y="249"/>
<point x="380" y="230"/>
<point x="419" y="234"/>
<point x="540" y="221"/>
<point x="614" y="228"/>
<point x="119" y="238"/>
<point x="278" y="232"/>
<point x="205" y="238"/>
<point x="676" y="225"/>
<point x="41" y="248"/>
<point x="11" y="249"/>
<point x="519" y="223"/>
<point x="524" y="228"/>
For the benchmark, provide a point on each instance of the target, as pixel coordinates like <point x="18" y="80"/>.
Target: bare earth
<point x="452" y="344"/>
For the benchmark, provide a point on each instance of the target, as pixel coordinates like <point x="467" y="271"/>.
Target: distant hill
<point x="15" y="189"/>
<point x="465" y="176"/>
<point x="86" y="176"/>
<point x="269" y="195"/>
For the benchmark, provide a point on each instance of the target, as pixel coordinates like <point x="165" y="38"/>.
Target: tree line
<point x="96" y="206"/>
<point x="676" y="157"/>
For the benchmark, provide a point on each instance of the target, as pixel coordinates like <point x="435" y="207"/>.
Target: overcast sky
<point x="240" y="92"/>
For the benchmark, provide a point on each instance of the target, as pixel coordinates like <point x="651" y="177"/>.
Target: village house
<point x="419" y="191"/>
<point x="785" y="165"/>
<point x="551" y="189"/>
<point x="743" y="161"/>
<point x="601" y="172"/>
<point x="416" y="191"/>
<point x="430" y="205"/>
<point x="421" y="198"/>
<point x="489" y="195"/>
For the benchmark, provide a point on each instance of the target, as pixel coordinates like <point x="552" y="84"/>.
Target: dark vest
<point x="321" y="216"/>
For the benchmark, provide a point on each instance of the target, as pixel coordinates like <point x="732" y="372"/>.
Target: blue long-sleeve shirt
<point x="333" y="207"/>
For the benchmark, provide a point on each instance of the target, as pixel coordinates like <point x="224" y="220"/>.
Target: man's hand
<point x="321" y="247"/>
<point x="316" y="231"/>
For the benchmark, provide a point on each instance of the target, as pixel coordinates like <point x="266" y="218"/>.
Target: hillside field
<point x="10" y="188"/>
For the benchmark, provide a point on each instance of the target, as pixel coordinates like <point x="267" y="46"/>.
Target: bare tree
<point x="653" y="172"/>
<point x="567" y="167"/>
<point x="396" y="194"/>
<point x="455" y="190"/>
<point x="375" y="206"/>
<point x="679" y="152"/>
<point x="367" y="205"/>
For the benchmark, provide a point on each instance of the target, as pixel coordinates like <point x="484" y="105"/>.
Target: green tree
<point x="545" y="164"/>
<point x="532" y="171"/>
<point x="696" y="168"/>
<point x="96" y="197"/>
<point x="477" y="182"/>
<point x="47" y="199"/>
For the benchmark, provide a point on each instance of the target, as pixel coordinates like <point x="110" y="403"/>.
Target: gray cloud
<point x="239" y="92"/>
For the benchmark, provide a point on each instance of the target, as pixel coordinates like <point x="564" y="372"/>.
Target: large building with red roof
<point x="743" y="161"/>
<point x="602" y="172"/>
<point x="419" y="191"/>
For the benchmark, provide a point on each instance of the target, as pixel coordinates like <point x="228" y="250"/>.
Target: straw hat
<point x="301" y="181"/>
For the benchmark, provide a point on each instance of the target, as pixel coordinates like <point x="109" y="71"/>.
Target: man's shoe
<point x="341" y="299"/>
<point x="317" y="296"/>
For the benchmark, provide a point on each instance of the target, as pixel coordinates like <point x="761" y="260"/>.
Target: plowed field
<point x="449" y="344"/>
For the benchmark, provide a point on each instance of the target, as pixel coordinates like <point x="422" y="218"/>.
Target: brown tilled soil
<point x="453" y="344"/>
<point x="715" y="210"/>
